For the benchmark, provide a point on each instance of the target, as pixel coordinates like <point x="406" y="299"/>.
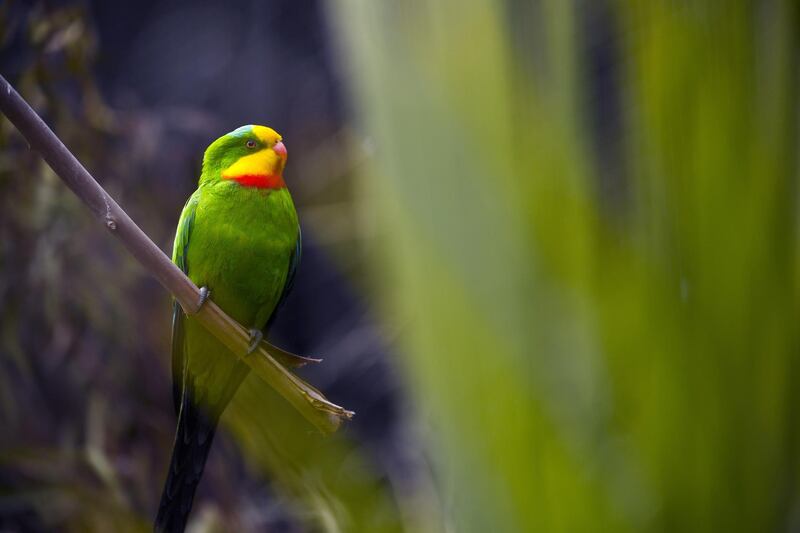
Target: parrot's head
<point x="252" y="156"/>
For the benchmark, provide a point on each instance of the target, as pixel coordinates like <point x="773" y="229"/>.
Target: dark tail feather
<point x="189" y="453"/>
<point x="196" y="427"/>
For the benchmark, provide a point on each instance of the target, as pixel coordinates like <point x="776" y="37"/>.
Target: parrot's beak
<point x="280" y="149"/>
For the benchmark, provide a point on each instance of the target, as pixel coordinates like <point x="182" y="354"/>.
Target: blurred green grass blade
<point x="585" y="366"/>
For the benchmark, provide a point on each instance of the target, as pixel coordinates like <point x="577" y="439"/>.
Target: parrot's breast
<point x="241" y="247"/>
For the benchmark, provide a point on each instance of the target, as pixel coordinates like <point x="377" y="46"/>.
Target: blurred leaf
<point x="581" y="373"/>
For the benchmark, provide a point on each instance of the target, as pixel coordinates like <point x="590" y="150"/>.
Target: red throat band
<point x="260" y="181"/>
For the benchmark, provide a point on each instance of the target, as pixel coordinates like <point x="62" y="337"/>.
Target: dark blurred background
<point x="551" y="259"/>
<point x="138" y="90"/>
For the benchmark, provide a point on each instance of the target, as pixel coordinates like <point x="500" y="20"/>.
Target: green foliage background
<point x="603" y="336"/>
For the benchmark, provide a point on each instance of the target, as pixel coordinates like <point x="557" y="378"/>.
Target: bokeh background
<point x="550" y="258"/>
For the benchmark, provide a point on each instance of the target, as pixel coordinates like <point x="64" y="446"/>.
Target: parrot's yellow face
<point x="253" y="156"/>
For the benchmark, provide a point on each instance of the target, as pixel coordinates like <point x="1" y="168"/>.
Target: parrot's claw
<point x="256" y="335"/>
<point x="204" y="294"/>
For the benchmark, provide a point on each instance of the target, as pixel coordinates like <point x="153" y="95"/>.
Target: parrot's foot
<point x="204" y="294"/>
<point x="255" y="339"/>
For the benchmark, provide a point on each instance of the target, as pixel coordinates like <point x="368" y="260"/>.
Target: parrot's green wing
<point x="294" y="262"/>
<point x="178" y="318"/>
<point x="288" y="358"/>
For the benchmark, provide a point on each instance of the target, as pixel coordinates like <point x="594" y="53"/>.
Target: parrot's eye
<point x="250" y="144"/>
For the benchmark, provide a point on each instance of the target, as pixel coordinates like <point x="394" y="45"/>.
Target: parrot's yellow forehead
<point x="267" y="135"/>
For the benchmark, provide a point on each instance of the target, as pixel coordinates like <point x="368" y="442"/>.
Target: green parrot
<point x="238" y="239"/>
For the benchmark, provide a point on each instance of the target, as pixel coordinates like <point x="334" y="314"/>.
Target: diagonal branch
<point x="325" y="415"/>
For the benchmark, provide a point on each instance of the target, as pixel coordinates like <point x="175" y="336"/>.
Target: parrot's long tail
<point x="196" y="428"/>
<point x="189" y="453"/>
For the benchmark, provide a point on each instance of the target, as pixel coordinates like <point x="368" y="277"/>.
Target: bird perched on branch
<point x="238" y="239"/>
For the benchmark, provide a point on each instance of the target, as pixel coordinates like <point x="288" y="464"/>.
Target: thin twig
<point x="310" y="402"/>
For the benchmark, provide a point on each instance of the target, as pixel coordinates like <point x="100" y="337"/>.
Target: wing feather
<point x="178" y="317"/>
<point x="294" y="263"/>
<point x="288" y="358"/>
